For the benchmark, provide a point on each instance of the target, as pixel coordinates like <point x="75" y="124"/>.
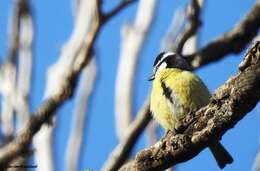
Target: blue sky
<point x="54" y="23"/>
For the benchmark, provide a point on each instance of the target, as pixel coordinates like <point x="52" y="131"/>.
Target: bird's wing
<point x="185" y="92"/>
<point x="173" y="101"/>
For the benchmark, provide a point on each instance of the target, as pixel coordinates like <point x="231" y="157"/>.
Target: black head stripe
<point x="172" y="60"/>
<point x="158" y="58"/>
<point x="178" y="62"/>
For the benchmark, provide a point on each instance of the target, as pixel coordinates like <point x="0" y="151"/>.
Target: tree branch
<point x="24" y="67"/>
<point x="233" y="41"/>
<point x="79" y="114"/>
<point x="10" y="87"/>
<point x="231" y="102"/>
<point x="54" y="99"/>
<point x="121" y="153"/>
<point x="256" y="165"/>
<point x="133" y="37"/>
<point x="118" y="8"/>
<point x="191" y="28"/>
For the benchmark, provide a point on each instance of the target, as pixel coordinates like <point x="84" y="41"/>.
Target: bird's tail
<point x="221" y="154"/>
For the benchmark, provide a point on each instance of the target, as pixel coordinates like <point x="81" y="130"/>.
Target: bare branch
<point x="121" y="153"/>
<point x="233" y="41"/>
<point x="133" y="37"/>
<point x="15" y="92"/>
<point x="24" y="66"/>
<point x="8" y="74"/>
<point x="191" y="27"/>
<point x="74" y="53"/>
<point x="77" y="133"/>
<point x="168" y="40"/>
<point x="12" y="100"/>
<point x="20" y="9"/>
<point x="256" y="166"/>
<point x="231" y="102"/>
<point x="191" y="44"/>
<point x="118" y="8"/>
<point x="151" y="132"/>
<point x="60" y="94"/>
<point x="22" y="140"/>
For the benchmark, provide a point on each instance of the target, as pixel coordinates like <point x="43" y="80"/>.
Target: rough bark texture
<point x="229" y="104"/>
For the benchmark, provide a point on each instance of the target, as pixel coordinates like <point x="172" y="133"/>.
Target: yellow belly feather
<point x="190" y="95"/>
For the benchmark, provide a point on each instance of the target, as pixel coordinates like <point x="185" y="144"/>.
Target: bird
<point x="177" y="92"/>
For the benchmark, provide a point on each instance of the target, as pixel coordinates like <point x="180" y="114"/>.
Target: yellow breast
<point x="186" y="91"/>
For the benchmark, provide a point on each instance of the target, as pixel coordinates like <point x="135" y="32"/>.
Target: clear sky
<point x="54" y="23"/>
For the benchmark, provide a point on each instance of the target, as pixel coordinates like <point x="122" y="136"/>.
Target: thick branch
<point x="229" y="104"/>
<point x="233" y="41"/>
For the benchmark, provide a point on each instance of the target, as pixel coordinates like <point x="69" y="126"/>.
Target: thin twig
<point x="24" y="67"/>
<point x="122" y="151"/>
<point x="118" y="8"/>
<point x="12" y="98"/>
<point x="168" y="40"/>
<point x="79" y="115"/>
<point x="192" y="26"/>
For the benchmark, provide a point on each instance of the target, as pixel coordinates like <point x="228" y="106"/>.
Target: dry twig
<point x="14" y="93"/>
<point x="79" y="115"/>
<point x="191" y="27"/>
<point x="121" y="153"/>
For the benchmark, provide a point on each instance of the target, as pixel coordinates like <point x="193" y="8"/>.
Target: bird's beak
<point x="151" y="78"/>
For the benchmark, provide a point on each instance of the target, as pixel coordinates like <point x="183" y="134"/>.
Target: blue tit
<point x="176" y="91"/>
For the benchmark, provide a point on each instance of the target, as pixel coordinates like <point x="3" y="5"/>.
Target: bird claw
<point x="179" y="127"/>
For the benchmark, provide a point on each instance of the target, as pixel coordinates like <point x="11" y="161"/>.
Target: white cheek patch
<point x="162" y="66"/>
